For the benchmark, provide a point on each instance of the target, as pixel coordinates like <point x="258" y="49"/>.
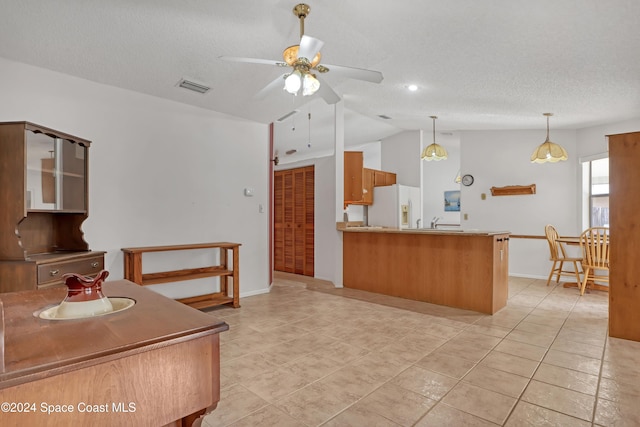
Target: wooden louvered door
<point x="294" y="220"/>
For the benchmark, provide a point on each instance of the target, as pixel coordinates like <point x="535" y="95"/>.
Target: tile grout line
<point x="545" y="354"/>
<point x="595" y="403"/>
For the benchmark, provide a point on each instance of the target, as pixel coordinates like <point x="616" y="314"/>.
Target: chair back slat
<point x="552" y="236"/>
<point x="594" y="242"/>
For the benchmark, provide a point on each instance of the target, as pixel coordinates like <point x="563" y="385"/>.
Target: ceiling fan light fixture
<point x="548" y="151"/>
<point x="293" y="82"/>
<point x="310" y="84"/>
<point x="434" y="151"/>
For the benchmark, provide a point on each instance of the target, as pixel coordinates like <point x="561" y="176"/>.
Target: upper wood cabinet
<point x="360" y="181"/>
<point x="353" y="176"/>
<point x="44" y="199"/>
<point x="368" y="177"/>
<point x="382" y="178"/>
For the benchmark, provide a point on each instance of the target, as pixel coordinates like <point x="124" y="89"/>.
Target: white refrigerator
<point x="398" y="206"/>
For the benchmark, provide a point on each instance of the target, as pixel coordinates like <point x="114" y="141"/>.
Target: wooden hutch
<point x="44" y="200"/>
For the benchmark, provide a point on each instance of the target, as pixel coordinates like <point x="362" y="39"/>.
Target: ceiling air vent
<point x="384" y="116"/>
<point x="196" y="87"/>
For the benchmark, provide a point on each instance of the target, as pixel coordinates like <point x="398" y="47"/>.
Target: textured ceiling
<point x="478" y="64"/>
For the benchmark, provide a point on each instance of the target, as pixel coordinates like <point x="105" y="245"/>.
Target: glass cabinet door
<point x="56" y="174"/>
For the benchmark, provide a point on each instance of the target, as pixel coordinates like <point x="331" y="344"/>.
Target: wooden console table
<point x="133" y="272"/>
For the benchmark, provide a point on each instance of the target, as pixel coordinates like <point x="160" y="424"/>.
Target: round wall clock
<point x="467" y="180"/>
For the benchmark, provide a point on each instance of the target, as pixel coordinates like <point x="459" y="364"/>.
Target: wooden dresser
<point x="154" y="364"/>
<point x="44" y="201"/>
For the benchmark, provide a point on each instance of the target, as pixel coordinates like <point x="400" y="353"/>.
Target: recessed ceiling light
<point x="412" y="88"/>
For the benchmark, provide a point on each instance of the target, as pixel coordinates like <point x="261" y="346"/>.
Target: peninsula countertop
<point x="454" y="231"/>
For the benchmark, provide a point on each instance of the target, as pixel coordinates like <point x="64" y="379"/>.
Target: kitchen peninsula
<point x="465" y="269"/>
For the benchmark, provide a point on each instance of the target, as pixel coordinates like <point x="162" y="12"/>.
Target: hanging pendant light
<point x="458" y="178"/>
<point x="434" y="151"/>
<point x="549" y="151"/>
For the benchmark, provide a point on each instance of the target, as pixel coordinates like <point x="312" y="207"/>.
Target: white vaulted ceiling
<point x="478" y="64"/>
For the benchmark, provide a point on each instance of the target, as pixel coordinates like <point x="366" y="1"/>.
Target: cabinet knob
<point x="54" y="272"/>
<point x="95" y="264"/>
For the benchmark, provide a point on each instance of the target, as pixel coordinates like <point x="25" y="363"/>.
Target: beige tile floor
<point x="307" y="354"/>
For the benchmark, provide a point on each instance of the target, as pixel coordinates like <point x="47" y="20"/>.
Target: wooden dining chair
<point x="559" y="257"/>
<point x="594" y="243"/>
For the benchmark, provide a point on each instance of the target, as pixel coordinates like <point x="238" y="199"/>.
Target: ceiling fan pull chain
<point x="309" y="140"/>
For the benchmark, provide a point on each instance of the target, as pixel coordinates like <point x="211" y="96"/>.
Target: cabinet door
<point x="382" y="178"/>
<point x="379" y="178"/>
<point x="353" y="165"/>
<point x="390" y="178"/>
<point x="367" y="184"/>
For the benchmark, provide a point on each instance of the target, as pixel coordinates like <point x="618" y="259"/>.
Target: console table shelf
<point x="133" y="272"/>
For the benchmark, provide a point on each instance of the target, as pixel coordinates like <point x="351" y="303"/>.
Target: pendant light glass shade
<point x="434" y="151"/>
<point x="549" y="151"/>
<point x="301" y="80"/>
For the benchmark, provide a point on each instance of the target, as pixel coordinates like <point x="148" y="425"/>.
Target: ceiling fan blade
<point x="270" y="88"/>
<point x="251" y="60"/>
<point x="309" y="47"/>
<point x="356" y="73"/>
<point x="326" y="93"/>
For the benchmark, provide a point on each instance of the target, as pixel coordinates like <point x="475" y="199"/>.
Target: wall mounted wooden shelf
<point x="513" y="190"/>
<point x="133" y="272"/>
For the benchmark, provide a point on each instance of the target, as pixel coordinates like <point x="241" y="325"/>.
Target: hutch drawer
<point x="50" y="274"/>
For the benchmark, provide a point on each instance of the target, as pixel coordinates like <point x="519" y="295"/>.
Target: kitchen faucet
<point x="418" y="223"/>
<point x="434" y="222"/>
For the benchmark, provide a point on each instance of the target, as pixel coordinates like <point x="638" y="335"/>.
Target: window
<point x="595" y="175"/>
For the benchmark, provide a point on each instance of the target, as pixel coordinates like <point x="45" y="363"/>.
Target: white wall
<point x="592" y="140"/>
<point x="502" y="158"/>
<point x="438" y="177"/>
<point x="401" y="154"/>
<point x="160" y="172"/>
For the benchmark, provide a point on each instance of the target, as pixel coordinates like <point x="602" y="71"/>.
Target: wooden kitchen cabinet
<point x="353" y="177"/>
<point x="367" y="186"/>
<point x="44" y="199"/>
<point x="360" y="181"/>
<point x="382" y="178"/>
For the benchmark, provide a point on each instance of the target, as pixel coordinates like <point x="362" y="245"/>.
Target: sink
<point x="84" y="310"/>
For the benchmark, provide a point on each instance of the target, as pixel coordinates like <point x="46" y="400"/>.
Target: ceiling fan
<point x="304" y="60"/>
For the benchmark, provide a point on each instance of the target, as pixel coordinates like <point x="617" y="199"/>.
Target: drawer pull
<point x="95" y="264"/>
<point x="54" y="272"/>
